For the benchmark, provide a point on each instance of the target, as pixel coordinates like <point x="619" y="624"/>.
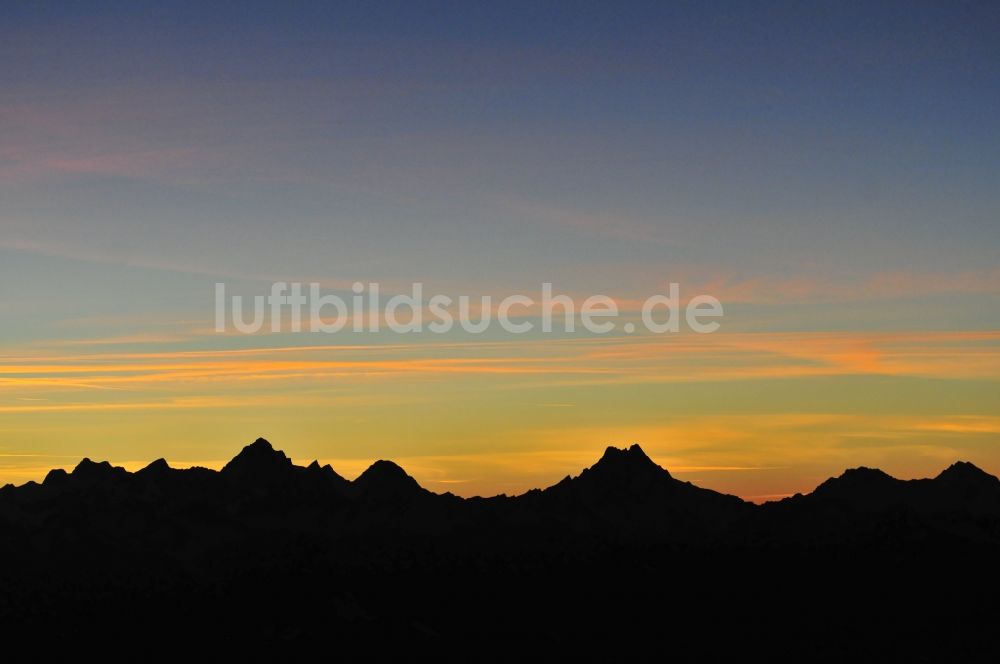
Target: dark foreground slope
<point x="266" y="556"/>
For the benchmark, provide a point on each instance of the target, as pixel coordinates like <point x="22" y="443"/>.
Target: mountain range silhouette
<point x="623" y="483"/>
<point x="298" y="554"/>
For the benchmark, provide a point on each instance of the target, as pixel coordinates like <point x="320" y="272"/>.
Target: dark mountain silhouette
<point x="384" y="481"/>
<point x="960" y="489"/>
<point x="158" y="468"/>
<point x="326" y="474"/>
<point x="629" y="477"/>
<point x="284" y="554"/>
<point x="862" y="488"/>
<point x="87" y="472"/>
<point x="627" y="494"/>
<point x="964" y="476"/>
<point x="259" y="461"/>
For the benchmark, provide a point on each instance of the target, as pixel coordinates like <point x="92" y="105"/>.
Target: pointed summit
<point x="158" y="467"/>
<point x="627" y="487"/>
<point x="965" y="473"/>
<point x="626" y="466"/>
<point x="964" y="486"/>
<point x="260" y="446"/>
<point x="633" y="458"/>
<point x="619" y="472"/>
<point x="326" y="473"/>
<point x="87" y="466"/>
<point x="259" y="461"/>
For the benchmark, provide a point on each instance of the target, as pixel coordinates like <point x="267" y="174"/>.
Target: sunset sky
<point x="830" y="173"/>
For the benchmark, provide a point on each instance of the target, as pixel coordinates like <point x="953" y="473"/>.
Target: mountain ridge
<point x="286" y="554"/>
<point x="618" y="471"/>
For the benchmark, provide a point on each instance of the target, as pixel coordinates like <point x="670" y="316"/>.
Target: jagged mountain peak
<point x="326" y="472"/>
<point x="257" y="458"/>
<point x="156" y="467"/>
<point x="625" y="463"/>
<point x="964" y="472"/>
<point x="860" y="484"/>
<point x="632" y="455"/>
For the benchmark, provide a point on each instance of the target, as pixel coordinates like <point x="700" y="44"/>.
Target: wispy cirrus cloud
<point x="875" y="286"/>
<point x="646" y="359"/>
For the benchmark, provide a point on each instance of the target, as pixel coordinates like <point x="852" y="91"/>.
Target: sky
<point x="830" y="173"/>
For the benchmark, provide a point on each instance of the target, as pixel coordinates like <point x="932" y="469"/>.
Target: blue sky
<point x="761" y="138"/>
